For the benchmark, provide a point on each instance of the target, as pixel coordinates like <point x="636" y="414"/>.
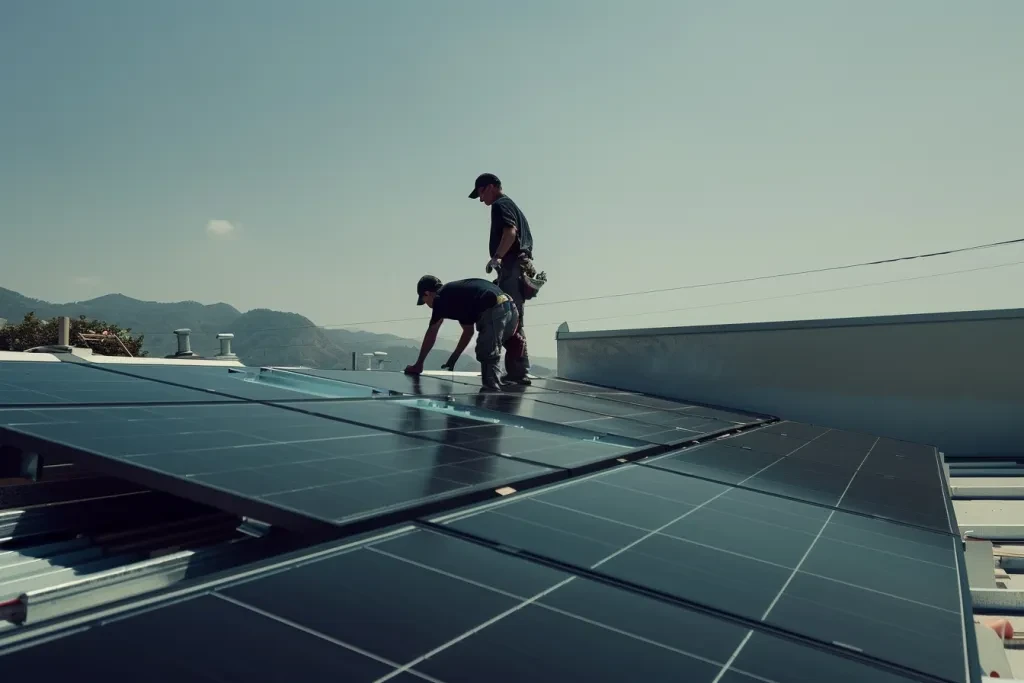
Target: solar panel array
<point x="223" y="437"/>
<point x="640" y="544"/>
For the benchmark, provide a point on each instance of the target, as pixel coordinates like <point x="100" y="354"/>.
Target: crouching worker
<point x="474" y="303"/>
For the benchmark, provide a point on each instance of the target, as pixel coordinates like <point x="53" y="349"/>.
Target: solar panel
<point x="583" y="391"/>
<point x="823" y="574"/>
<point x="552" y="384"/>
<point x="50" y="384"/>
<point x="281" y="466"/>
<point x="854" y="472"/>
<point x="424" y="606"/>
<point x="451" y="424"/>
<point x="680" y="418"/>
<point x="422" y="385"/>
<point x="522" y="406"/>
<point x="229" y="381"/>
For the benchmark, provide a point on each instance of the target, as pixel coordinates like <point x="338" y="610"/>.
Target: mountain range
<point x="262" y="336"/>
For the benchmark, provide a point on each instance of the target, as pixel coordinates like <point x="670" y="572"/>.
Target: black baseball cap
<point x="427" y="283"/>
<point x="483" y="180"/>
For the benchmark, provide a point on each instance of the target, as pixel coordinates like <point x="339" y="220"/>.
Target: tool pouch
<point x="530" y="279"/>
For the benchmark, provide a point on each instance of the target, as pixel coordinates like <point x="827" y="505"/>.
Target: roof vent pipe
<point x="184" y="345"/>
<point x="64" y="331"/>
<point x="225" y="346"/>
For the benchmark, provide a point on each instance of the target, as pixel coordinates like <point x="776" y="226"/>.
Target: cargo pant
<point x="498" y="328"/>
<point x="510" y="281"/>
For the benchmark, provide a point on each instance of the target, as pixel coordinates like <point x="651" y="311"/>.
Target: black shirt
<point x="504" y="213"/>
<point x="465" y="300"/>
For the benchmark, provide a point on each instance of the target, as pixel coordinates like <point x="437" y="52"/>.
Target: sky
<point x="316" y="156"/>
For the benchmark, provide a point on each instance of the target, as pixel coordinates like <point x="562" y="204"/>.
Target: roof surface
<point x="562" y="531"/>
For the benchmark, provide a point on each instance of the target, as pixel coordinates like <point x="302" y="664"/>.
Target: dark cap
<point x="427" y="283"/>
<point x="483" y="180"/>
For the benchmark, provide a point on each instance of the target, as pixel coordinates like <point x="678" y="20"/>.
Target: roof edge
<point x="775" y="326"/>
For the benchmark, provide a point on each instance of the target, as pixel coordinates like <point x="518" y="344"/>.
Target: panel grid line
<point x="313" y="632"/>
<point x="796" y="569"/>
<point x="551" y="608"/>
<point x="734" y="553"/>
<point x="538" y="596"/>
<point x="653" y="463"/>
<point x="728" y="513"/>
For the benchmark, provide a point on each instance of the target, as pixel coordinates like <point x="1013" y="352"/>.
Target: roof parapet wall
<point x="953" y="380"/>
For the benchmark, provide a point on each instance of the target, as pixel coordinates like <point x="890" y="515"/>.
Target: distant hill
<point x="262" y="336"/>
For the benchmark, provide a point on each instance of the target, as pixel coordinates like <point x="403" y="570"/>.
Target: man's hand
<point x="493" y="264"/>
<point x="414" y="369"/>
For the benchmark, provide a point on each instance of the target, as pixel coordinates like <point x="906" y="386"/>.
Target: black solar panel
<point x="284" y="467"/>
<point x="551" y="384"/>
<point x="554" y="448"/>
<point x="723" y="562"/>
<point x="426" y="607"/>
<point x="422" y="385"/>
<point x="533" y="408"/>
<point x="820" y="573"/>
<point x="680" y="418"/>
<point x="51" y="384"/>
<point x="854" y="472"/>
<point x="229" y="381"/>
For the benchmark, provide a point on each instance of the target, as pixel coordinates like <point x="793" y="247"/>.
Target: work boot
<point x="524" y="381"/>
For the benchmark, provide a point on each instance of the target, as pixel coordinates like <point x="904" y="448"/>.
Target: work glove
<point x="493" y="264"/>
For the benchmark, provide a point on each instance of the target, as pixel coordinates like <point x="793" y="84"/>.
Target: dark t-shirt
<point x="504" y="212"/>
<point x="464" y="300"/>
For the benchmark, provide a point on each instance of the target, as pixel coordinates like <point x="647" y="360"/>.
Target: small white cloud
<point x="220" y="228"/>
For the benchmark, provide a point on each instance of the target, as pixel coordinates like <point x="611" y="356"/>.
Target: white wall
<point x="952" y="380"/>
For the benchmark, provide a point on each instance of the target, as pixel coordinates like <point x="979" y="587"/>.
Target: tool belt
<point x="530" y="279"/>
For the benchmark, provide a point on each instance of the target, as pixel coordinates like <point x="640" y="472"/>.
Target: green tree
<point x="33" y="331"/>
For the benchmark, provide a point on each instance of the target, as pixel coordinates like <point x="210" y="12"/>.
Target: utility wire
<point x="795" y="294"/>
<point x="758" y="278"/>
<point x="748" y="301"/>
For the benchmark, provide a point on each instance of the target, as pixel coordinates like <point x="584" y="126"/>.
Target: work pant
<point x="498" y="328"/>
<point x="510" y="281"/>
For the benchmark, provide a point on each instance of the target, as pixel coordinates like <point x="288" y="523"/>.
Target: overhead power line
<point x="701" y="285"/>
<point x="812" y="271"/>
<point x="755" y="300"/>
<point x="794" y="294"/>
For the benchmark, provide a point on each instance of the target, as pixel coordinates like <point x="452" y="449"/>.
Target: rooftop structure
<point x="643" y="517"/>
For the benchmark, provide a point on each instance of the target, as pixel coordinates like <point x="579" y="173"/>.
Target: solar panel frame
<point x="569" y="549"/>
<point x="449" y="472"/>
<point x="400" y="383"/>
<point x="833" y="468"/>
<point x="682" y="417"/>
<point x="546" y="444"/>
<point x="445" y="610"/>
<point x="228" y="381"/>
<point x="533" y="408"/>
<point x="24" y="384"/>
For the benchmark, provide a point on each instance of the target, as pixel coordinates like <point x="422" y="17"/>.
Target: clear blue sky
<point x="651" y="144"/>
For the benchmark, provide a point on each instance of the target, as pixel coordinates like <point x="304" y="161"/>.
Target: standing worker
<point x="473" y="303"/>
<point x="511" y="254"/>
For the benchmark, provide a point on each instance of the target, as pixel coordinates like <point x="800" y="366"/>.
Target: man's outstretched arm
<point x="428" y="343"/>
<point x="467" y="336"/>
